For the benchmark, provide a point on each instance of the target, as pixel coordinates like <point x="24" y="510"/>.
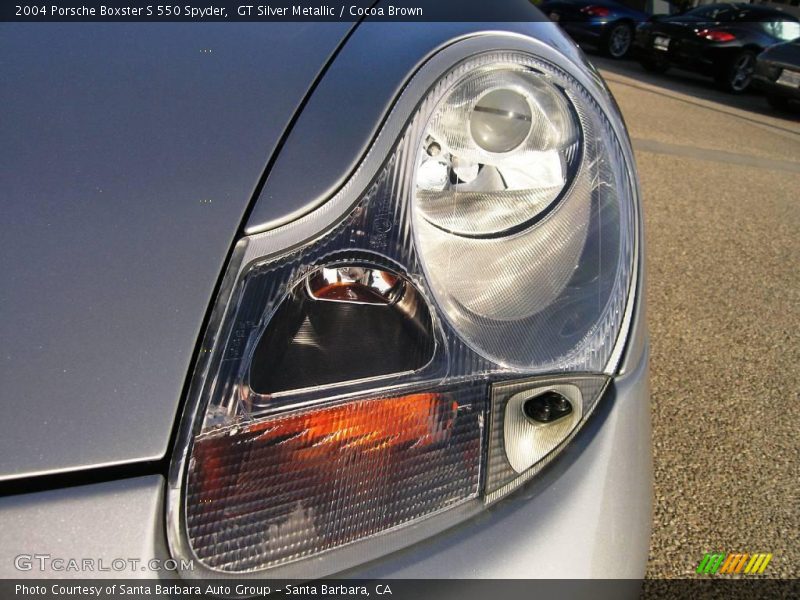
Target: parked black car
<point x="605" y="24"/>
<point x="778" y="73"/>
<point x="721" y="40"/>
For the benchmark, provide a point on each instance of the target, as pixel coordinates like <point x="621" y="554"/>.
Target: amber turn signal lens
<point x="368" y="425"/>
<point x="303" y="482"/>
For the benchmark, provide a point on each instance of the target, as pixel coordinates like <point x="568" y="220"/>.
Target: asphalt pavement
<point x="720" y="177"/>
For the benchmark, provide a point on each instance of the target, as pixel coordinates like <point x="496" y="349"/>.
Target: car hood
<point x="129" y="156"/>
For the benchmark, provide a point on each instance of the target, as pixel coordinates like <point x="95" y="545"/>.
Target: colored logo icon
<point x="729" y="564"/>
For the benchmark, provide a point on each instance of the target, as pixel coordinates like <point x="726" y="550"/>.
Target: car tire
<point x="736" y="76"/>
<point x="618" y="40"/>
<point x="653" y="65"/>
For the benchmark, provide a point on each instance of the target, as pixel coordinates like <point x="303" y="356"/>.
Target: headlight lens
<point x="528" y="238"/>
<point x="433" y="349"/>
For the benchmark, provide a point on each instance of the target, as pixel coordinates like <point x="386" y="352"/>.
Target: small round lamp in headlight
<point x="500" y="121"/>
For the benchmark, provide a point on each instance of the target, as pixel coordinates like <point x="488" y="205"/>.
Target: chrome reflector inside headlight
<point x="430" y="341"/>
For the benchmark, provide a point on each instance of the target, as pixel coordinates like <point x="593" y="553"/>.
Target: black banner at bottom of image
<point x="401" y="589"/>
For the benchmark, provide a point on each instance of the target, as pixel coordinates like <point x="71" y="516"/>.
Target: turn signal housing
<point x="300" y="483"/>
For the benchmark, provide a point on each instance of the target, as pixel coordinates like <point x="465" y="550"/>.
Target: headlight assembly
<point x="428" y="348"/>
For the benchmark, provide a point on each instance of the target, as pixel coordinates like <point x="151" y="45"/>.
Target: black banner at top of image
<point x="267" y="10"/>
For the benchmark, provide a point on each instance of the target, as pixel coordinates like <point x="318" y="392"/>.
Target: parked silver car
<point x="296" y="300"/>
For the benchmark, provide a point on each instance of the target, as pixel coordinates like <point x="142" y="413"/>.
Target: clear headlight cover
<point x="524" y="234"/>
<point x="379" y="374"/>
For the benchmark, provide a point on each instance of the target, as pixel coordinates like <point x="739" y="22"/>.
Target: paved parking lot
<point x="721" y="182"/>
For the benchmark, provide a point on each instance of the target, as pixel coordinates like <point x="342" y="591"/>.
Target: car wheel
<point x="619" y="40"/>
<point x="654" y="66"/>
<point x="738" y="74"/>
